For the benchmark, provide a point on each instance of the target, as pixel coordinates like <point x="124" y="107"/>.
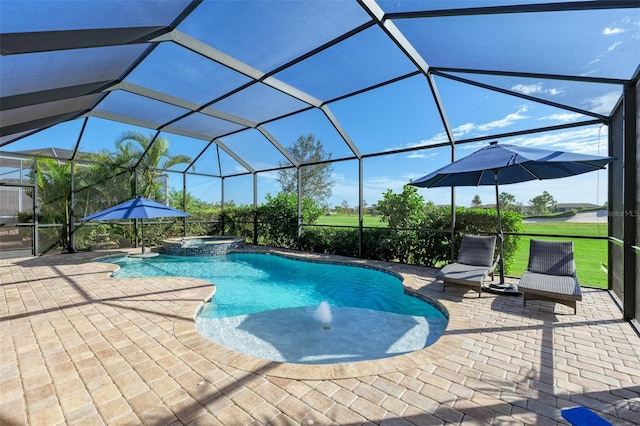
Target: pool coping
<point x="186" y="332"/>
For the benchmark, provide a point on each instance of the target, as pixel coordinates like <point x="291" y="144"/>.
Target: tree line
<point x="110" y="179"/>
<point x="541" y="204"/>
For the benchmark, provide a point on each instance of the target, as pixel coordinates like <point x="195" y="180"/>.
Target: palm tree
<point x="100" y="185"/>
<point x="153" y="156"/>
<point x="54" y="192"/>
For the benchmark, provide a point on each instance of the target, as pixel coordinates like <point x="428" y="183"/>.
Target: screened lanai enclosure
<point x="260" y="117"/>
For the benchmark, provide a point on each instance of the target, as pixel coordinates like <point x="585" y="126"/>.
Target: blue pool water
<point x="266" y="306"/>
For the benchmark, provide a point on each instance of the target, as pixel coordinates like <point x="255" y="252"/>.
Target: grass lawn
<point x="591" y="255"/>
<point x="351" y="220"/>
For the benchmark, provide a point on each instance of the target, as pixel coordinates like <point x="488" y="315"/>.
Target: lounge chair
<point x="474" y="263"/>
<point x="551" y="274"/>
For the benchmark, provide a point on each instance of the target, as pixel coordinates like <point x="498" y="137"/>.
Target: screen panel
<point x="363" y="60"/>
<point x="269" y="34"/>
<point x="598" y="46"/>
<point x="397" y="116"/>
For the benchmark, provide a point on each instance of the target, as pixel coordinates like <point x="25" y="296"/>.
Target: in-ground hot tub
<point x="201" y="246"/>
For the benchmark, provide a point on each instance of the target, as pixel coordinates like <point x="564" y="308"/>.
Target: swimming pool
<point x="267" y="306"/>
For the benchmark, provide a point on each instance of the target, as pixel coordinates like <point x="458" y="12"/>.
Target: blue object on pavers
<point x="581" y="416"/>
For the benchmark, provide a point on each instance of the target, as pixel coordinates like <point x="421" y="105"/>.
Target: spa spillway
<point x="201" y="246"/>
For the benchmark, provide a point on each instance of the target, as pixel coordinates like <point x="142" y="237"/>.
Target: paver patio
<point x="80" y="347"/>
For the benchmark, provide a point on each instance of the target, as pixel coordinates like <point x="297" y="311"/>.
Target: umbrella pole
<point x="142" y="234"/>
<point x="501" y="287"/>
<point x="500" y="236"/>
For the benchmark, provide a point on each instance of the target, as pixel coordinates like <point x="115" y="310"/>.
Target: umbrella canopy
<point x="513" y="164"/>
<point x="137" y="208"/>
<point x="504" y="164"/>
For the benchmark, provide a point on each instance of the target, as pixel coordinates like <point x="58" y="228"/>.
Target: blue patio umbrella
<point x="503" y="164"/>
<point x="137" y="208"/>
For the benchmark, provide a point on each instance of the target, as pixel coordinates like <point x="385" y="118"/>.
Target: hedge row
<point x="428" y="244"/>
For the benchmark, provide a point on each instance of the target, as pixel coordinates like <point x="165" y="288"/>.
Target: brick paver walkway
<point x="79" y="347"/>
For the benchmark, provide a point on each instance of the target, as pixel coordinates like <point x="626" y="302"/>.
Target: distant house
<point x="12" y="201"/>
<point x="14" y="179"/>
<point x="565" y="207"/>
<point x="15" y="171"/>
<point x="52" y="152"/>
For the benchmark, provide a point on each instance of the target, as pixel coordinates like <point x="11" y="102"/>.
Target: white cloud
<point x="593" y="62"/>
<point x="625" y="25"/>
<point x="563" y="117"/>
<point x="272" y="176"/>
<point x="373" y="188"/>
<point x="536" y="89"/>
<point x="468" y="128"/>
<point x="612" y="30"/>
<point x="587" y="140"/>
<point x="577" y="140"/>
<point x="602" y="104"/>
<point x="437" y="138"/>
<point x="382" y="183"/>
<point x="506" y="121"/>
<point x="614" y="46"/>
<point x="527" y="89"/>
<point x="463" y="129"/>
<point x="421" y="155"/>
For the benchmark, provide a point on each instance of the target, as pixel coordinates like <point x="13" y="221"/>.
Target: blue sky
<point x="397" y="116"/>
<point x="392" y="171"/>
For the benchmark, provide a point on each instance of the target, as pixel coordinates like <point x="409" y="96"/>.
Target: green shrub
<point x="89" y="234"/>
<point x="382" y="244"/>
<point x="197" y="228"/>
<point x="428" y="245"/>
<point x="470" y="221"/>
<point x="278" y="219"/>
<point x="237" y="221"/>
<point x="402" y="210"/>
<point x="49" y="239"/>
<point x="433" y="247"/>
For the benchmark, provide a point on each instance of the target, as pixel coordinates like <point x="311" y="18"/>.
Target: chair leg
<point x="570" y="303"/>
